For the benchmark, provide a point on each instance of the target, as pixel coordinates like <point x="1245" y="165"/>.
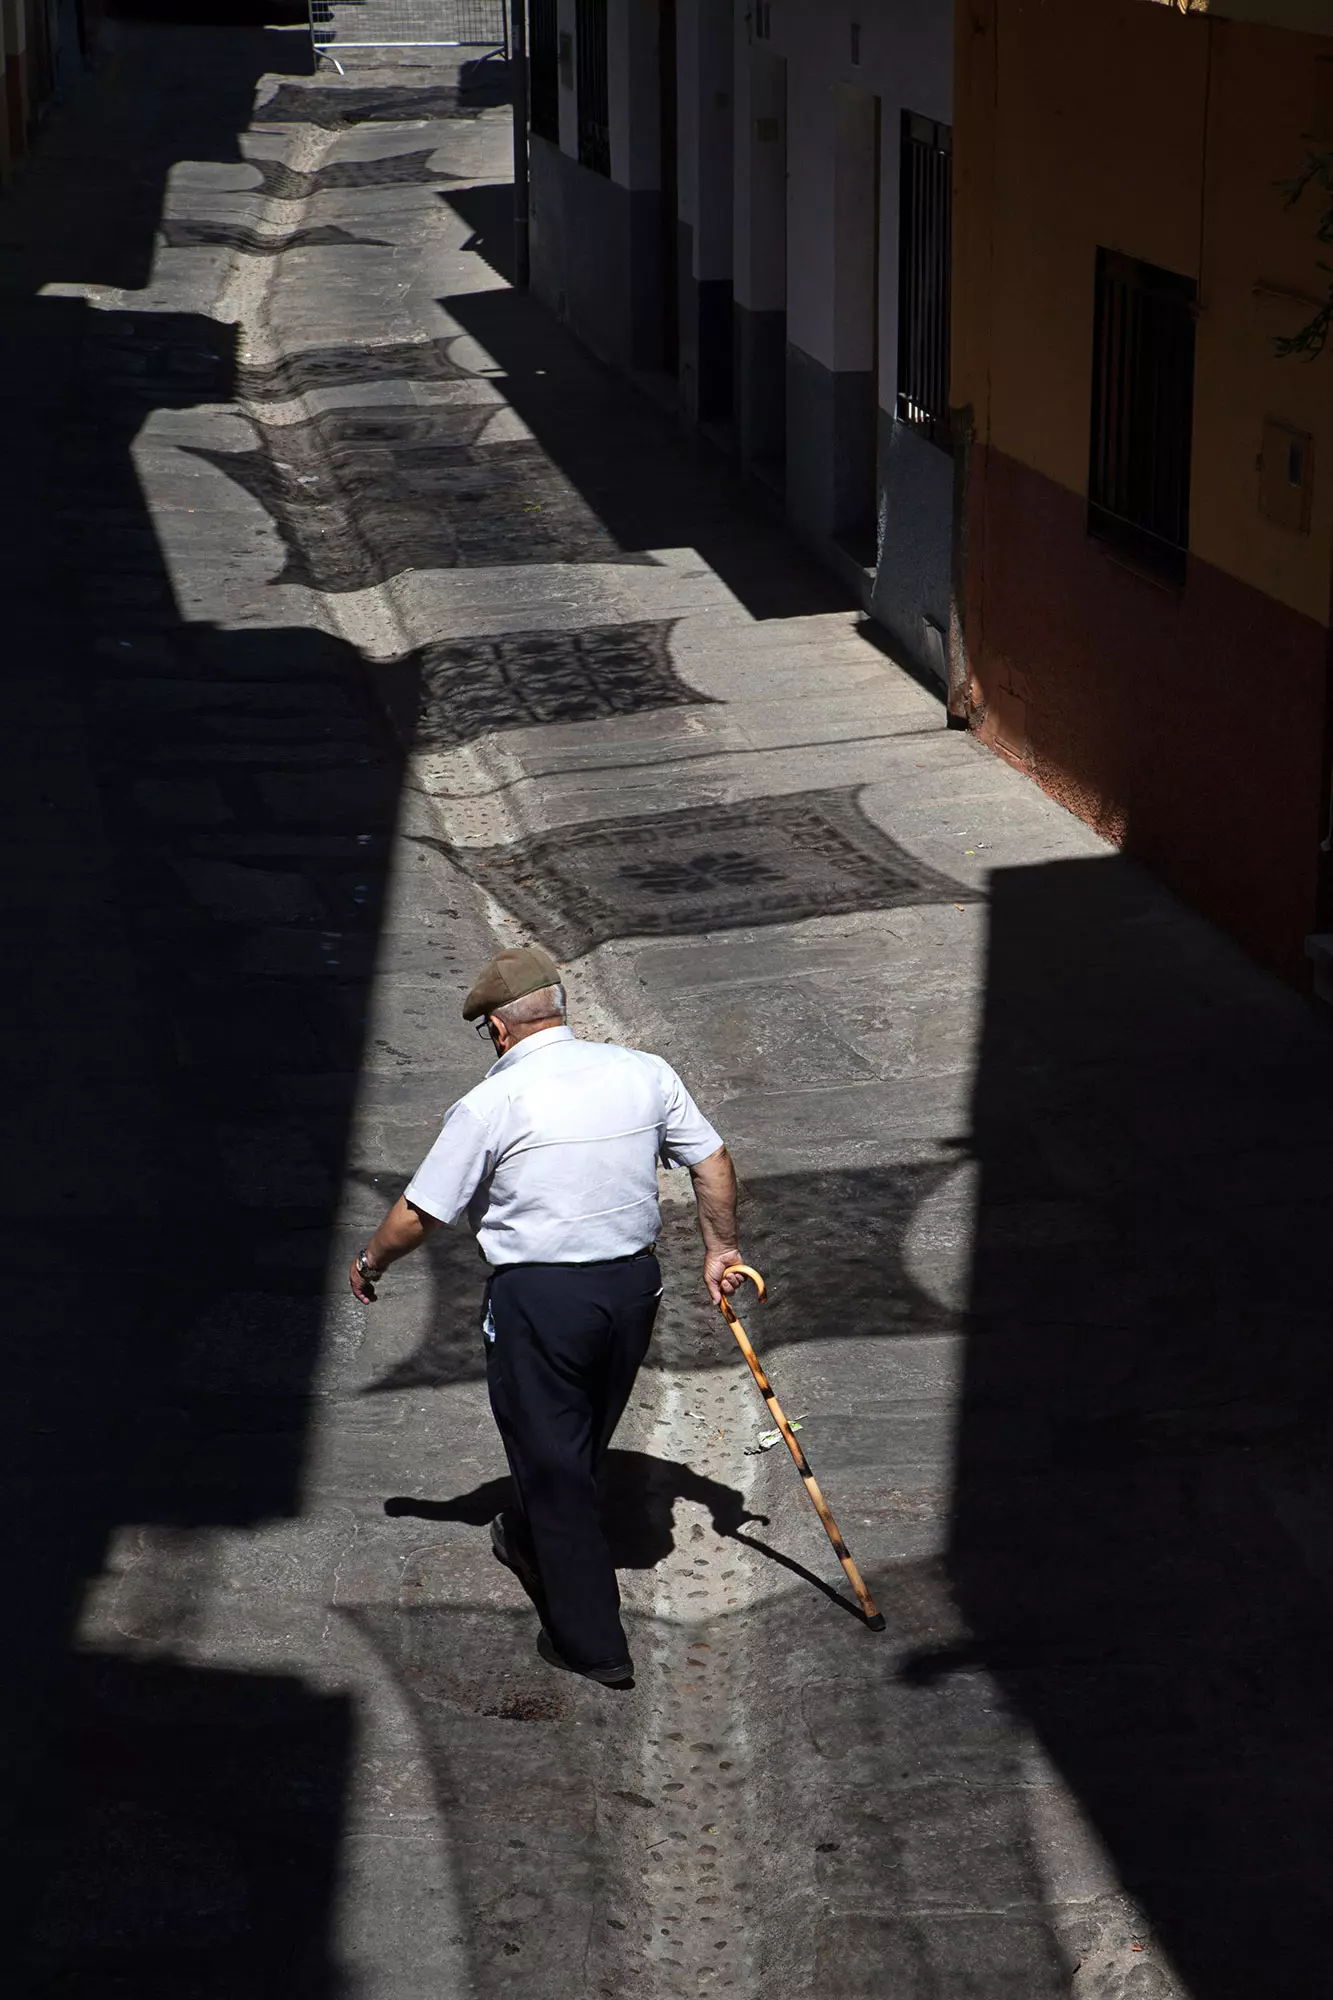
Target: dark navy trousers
<point x="564" y="1343"/>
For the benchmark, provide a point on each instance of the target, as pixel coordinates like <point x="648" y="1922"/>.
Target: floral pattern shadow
<point x="468" y="688"/>
<point x="758" y="861"/>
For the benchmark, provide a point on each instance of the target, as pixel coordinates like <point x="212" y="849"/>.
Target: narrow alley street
<point x="357" y="622"/>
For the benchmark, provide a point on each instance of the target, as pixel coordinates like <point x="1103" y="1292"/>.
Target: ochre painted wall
<point x="1188" y="723"/>
<point x="1105" y="121"/>
<point x="1264" y="88"/>
<point x="1099" y="139"/>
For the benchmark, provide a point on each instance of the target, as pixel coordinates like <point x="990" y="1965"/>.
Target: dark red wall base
<point x="1187" y="723"/>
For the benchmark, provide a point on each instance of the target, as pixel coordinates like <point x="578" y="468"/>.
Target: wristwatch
<point x="366" y="1268"/>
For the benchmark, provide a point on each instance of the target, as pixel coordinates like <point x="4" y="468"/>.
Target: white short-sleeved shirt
<point x="554" y="1154"/>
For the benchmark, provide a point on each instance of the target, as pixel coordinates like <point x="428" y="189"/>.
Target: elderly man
<point x="553" y="1158"/>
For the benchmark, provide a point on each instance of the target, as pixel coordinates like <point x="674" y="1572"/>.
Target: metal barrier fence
<point x="409" y="24"/>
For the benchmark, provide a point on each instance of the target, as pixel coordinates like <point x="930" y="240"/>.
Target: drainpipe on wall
<point x="957" y="672"/>
<point x="518" y="70"/>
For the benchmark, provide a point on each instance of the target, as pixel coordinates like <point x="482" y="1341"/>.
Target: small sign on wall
<point x="1286" y="476"/>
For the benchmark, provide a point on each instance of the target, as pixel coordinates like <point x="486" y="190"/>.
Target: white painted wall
<point x="635" y="95"/>
<point x="804" y="77"/>
<point x="907" y="62"/>
<point x="712" y="89"/>
<point x="687" y="108"/>
<point x="855" y="118"/>
<point x="809" y="205"/>
<point x="760" y="203"/>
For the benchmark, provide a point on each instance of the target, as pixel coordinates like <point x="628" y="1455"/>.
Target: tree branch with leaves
<point x="1311" y="340"/>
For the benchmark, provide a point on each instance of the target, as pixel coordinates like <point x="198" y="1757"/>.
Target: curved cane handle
<point x="748" y="1271"/>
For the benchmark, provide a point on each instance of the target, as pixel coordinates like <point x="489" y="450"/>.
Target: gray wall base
<point x="855" y="456"/>
<point x="830" y="447"/>
<point x="761" y="385"/>
<point x="911" y="595"/>
<point x="891" y="542"/>
<point x="687" y="325"/>
<point x="582" y="248"/>
<point x="809" y="445"/>
<point x="715" y="350"/>
<point x="646" y="305"/>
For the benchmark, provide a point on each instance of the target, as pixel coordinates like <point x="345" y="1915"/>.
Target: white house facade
<point x="747" y="203"/>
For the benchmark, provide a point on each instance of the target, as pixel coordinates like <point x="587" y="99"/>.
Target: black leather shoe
<point x="620" y="1675"/>
<point x="513" y="1558"/>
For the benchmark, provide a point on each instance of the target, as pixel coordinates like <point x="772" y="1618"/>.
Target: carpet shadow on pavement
<point x="280" y="182"/>
<point x="684" y="874"/>
<point x="359" y="496"/>
<point x="862" y="1221"/>
<point x="346" y="367"/>
<point x="337" y="107"/>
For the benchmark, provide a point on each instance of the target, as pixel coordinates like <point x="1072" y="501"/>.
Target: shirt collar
<point x="545" y="1038"/>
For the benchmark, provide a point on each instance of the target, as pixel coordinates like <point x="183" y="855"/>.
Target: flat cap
<point x="510" y="974"/>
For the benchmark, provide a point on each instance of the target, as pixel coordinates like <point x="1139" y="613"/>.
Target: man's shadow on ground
<point x="639" y="1495"/>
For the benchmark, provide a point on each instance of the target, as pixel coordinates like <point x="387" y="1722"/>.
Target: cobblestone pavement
<point x="355" y="620"/>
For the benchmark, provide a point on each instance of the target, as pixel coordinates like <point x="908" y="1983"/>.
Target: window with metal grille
<point x="594" y="112"/>
<point x="1142" y="411"/>
<point x="544" y="69"/>
<point x="925" y="241"/>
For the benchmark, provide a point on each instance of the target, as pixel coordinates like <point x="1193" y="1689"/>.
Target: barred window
<point x="594" y="111"/>
<point x="1142" y="411"/>
<point x="544" y="69"/>
<point x="925" y="242"/>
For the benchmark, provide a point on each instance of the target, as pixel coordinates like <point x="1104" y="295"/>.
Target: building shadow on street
<point x="487" y="207"/>
<point x="1142" y="1542"/>
<point x="642" y="481"/>
<point x="188" y="1054"/>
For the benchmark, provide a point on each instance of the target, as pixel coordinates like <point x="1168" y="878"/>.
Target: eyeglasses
<point x="483" y="1026"/>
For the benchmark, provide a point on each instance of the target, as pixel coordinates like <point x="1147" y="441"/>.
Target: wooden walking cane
<point x="874" y="1619"/>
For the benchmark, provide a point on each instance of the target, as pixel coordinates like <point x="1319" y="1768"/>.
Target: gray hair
<point x="545" y="1004"/>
